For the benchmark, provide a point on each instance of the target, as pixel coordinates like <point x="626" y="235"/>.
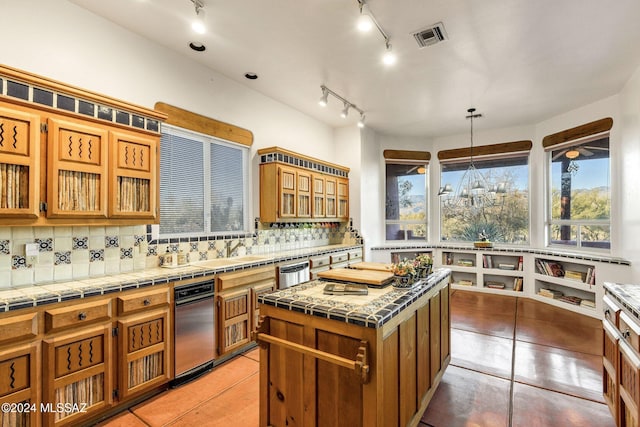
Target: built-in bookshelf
<point x="485" y="270"/>
<point x="566" y="282"/>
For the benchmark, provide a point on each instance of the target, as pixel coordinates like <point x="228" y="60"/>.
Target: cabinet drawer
<point x="319" y="261"/>
<point x="611" y="310"/>
<point x="630" y="331"/>
<point x="339" y="258"/>
<point x="315" y="271"/>
<point x="18" y="328"/>
<point x="77" y="315"/>
<point x="227" y="281"/>
<point x="143" y="300"/>
<point x="355" y="254"/>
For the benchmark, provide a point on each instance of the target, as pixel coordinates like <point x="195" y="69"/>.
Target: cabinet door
<point x="318" y="197"/>
<point x="629" y="386"/>
<point x="331" y="192"/>
<point x="610" y="365"/>
<point x="133" y="173"/>
<point x="20" y="383"/>
<point x="343" y="198"/>
<point x="287" y="192"/>
<point x="19" y="163"/>
<point x="77" y="376"/>
<point x="143" y="352"/>
<point x="234" y="317"/>
<point x="304" y="194"/>
<point x="77" y="175"/>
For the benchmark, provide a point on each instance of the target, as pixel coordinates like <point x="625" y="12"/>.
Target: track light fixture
<point x="198" y="24"/>
<point x="347" y="105"/>
<point x="366" y="22"/>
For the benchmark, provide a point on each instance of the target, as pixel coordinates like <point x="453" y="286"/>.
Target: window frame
<point x="408" y="162"/>
<point x="207" y="140"/>
<point x="550" y="222"/>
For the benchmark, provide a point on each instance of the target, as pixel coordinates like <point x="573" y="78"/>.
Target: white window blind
<point x="202" y="184"/>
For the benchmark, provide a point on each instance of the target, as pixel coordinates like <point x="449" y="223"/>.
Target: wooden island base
<point x="316" y="371"/>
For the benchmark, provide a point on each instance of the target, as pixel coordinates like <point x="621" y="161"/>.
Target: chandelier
<point x="473" y="190"/>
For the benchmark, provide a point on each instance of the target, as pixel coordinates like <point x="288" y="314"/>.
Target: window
<point x="203" y="184"/>
<point x="498" y="208"/>
<point x="580" y="194"/>
<point x="406" y="200"/>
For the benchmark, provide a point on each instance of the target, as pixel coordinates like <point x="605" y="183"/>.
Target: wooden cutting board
<point x="369" y="277"/>
<point x="379" y="266"/>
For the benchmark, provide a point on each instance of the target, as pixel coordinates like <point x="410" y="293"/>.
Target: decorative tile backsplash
<point x="67" y="253"/>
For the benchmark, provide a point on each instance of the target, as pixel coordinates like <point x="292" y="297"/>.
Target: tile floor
<point x="515" y="362"/>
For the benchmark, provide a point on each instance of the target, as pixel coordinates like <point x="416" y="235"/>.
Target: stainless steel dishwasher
<point x="293" y="274"/>
<point x="193" y="330"/>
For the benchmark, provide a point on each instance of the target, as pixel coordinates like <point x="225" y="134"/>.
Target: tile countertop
<point x="47" y="293"/>
<point x="372" y="311"/>
<point x="627" y="294"/>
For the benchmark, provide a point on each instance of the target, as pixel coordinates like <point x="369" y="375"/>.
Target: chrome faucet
<point x="230" y="248"/>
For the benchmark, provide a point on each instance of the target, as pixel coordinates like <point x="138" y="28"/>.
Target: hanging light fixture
<point x="198" y="24"/>
<point x="346" y="104"/>
<point x="473" y="189"/>
<point x="572" y="154"/>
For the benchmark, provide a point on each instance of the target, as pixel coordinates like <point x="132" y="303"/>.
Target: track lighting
<point x="198" y="24"/>
<point x="323" y="98"/>
<point x="366" y="21"/>
<point x="345" y="111"/>
<point x="347" y="105"/>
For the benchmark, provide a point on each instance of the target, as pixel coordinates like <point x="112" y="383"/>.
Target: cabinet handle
<point x="147" y="301"/>
<point x="626" y="334"/>
<point x="82" y="315"/>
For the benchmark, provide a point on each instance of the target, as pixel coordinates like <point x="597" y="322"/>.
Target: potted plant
<point x="404" y="274"/>
<point x="423" y="264"/>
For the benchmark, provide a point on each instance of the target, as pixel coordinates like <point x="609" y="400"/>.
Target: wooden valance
<point x="485" y="150"/>
<point x="407" y="155"/>
<point x="196" y="122"/>
<point x="578" y="132"/>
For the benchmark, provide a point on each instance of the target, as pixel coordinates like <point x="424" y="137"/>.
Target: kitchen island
<point x="357" y="360"/>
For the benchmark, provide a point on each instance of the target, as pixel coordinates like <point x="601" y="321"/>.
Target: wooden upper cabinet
<point x="318" y="196"/>
<point x="294" y="187"/>
<point x="287" y="192"/>
<point x="134" y="168"/>
<point x="343" y="198"/>
<point x="19" y="163"/>
<point x="77" y="169"/>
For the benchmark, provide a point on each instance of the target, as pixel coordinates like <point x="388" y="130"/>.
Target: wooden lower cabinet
<point x="306" y="377"/>
<point x="237" y="305"/>
<point x="20" y="385"/>
<point x="610" y="368"/>
<point x="143" y="352"/>
<point x="77" y="375"/>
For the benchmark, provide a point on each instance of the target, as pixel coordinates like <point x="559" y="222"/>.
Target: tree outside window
<point x="406" y="201"/>
<point x="500" y="210"/>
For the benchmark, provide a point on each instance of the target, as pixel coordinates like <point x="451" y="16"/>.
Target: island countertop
<point x="372" y="310"/>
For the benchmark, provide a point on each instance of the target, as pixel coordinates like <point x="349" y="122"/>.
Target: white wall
<point x="67" y="43"/>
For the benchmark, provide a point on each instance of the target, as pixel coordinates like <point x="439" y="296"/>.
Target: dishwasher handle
<point x="294" y="268"/>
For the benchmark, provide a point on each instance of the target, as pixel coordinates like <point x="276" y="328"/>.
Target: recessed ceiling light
<point x="198" y="47"/>
<point x="251" y="76"/>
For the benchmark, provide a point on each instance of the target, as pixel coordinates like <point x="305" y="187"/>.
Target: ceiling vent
<point x="430" y="35"/>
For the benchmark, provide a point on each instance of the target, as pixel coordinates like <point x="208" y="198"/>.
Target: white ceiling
<point x="517" y="61"/>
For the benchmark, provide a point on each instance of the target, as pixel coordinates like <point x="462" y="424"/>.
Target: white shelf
<point x="567" y="283"/>
<point x="565" y="305"/>
<point x="502" y="272"/>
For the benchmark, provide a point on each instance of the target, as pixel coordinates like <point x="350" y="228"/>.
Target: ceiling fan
<point x="573" y="152"/>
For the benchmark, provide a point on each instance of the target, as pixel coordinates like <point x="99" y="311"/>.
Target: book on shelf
<point x="493" y="284"/>
<point x="465" y="282"/>
<point x="590" y="276"/>
<point x="570" y="299"/>
<point x="487" y="261"/>
<point x="575" y="275"/>
<point x="504" y="266"/>
<point x="549" y="268"/>
<point x="517" y="283"/>
<point x="588" y="303"/>
<point x="550" y="293"/>
<point x="520" y="263"/>
<point x="465" y="262"/>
